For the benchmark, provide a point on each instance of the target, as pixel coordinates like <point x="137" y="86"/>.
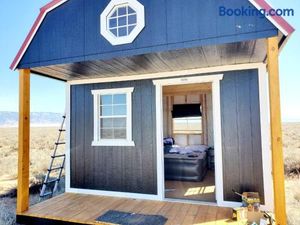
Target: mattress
<point x="186" y="167"/>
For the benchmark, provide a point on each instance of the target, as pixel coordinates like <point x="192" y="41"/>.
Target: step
<point x="60" y="143"/>
<point x="55" y="168"/>
<point x="46" y="194"/>
<point x="58" y="156"/>
<point x="51" y="181"/>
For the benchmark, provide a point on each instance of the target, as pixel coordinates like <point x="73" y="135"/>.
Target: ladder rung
<point x="60" y="143"/>
<point x="51" y="181"/>
<point x="46" y="194"/>
<point x="62" y="130"/>
<point x="58" y="156"/>
<point x="55" y="168"/>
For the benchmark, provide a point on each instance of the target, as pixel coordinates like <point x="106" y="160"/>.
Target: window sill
<point x="113" y="143"/>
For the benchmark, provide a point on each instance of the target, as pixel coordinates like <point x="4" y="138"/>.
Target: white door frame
<point x="215" y="80"/>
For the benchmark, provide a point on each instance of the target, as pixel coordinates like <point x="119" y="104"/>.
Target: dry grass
<point x="291" y="144"/>
<point x="42" y="140"/>
<point x="41" y="146"/>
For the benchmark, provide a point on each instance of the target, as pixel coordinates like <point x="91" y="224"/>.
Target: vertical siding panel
<point x="231" y="161"/>
<point x="256" y="136"/>
<point x="72" y="139"/>
<point x="242" y="153"/>
<point x="80" y="147"/>
<point x="147" y="142"/>
<point x="139" y="132"/>
<point x="174" y="20"/>
<point x="89" y="153"/>
<point x="244" y="131"/>
<point x="154" y="144"/>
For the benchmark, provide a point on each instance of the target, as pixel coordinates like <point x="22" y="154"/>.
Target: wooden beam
<point x="24" y="141"/>
<point x="276" y="131"/>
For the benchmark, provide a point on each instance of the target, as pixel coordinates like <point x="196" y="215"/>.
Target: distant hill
<point x="10" y="119"/>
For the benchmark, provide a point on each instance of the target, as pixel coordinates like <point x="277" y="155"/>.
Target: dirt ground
<point x="42" y="140"/>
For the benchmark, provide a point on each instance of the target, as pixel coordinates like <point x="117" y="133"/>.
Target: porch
<point x="71" y="208"/>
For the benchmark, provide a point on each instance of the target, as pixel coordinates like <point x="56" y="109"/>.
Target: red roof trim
<point x="278" y="21"/>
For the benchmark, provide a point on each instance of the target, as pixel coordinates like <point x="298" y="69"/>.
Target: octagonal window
<point x="122" y="21"/>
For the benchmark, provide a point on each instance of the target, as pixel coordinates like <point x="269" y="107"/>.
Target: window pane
<point x="106" y="100"/>
<point x="131" y="19"/>
<point x="106" y="111"/>
<point x="187" y="125"/>
<point x="195" y="124"/>
<point x="120" y="133"/>
<point x="130" y="29"/>
<point x="130" y="10"/>
<point x="114" y="14"/>
<point x="119" y="99"/>
<point x="119" y="122"/>
<point x="107" y="123"/>
<point x="112" y="23"/>
<point x="122" y="31"/>
<point x="114" y="31"/>
<point x="106" y="134"/>
<point x="122" y="21"/>
<point x="122" y="11"/>
<point x="120" y="110"/>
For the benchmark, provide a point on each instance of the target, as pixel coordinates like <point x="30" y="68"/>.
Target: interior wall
<point x="210" y="121"/>
<point x="205" y="99"/>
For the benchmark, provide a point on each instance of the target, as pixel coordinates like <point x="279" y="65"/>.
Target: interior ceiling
<point x="187" y="88"/>
<point x="190" y="58"/>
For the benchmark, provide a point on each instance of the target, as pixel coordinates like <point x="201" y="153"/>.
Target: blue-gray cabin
<point x="166" y="99"/>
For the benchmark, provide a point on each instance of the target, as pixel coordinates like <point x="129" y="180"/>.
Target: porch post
<point x="276" y="132"/>
<point x="24" y="140"/>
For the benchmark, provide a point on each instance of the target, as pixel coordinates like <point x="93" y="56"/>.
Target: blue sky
<point x="48" y="95"/>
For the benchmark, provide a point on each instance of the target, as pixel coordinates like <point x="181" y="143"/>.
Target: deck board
<point x="79" y="208"/>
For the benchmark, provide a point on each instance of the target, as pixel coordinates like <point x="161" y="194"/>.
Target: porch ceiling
<point x="183" y="59"/>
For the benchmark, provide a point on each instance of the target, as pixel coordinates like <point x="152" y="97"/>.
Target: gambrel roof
<point x="279" y="22"/>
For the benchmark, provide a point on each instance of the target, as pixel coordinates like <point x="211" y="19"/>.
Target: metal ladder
<point x="50" y="185"/>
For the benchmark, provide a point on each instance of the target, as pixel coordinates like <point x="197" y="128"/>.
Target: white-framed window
<point x="113" y="117"/>
<point x="187" y="125"/>
<point x="122" y="21"/>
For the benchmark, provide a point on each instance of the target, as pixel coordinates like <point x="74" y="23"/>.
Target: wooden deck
<point x="84" y="209"/>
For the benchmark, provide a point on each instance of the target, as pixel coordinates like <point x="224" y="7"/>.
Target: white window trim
<point x="113" y="142"/>
<point x="140" y="21"/>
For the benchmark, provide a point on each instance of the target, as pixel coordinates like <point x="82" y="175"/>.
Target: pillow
<point x="169" y="141"/>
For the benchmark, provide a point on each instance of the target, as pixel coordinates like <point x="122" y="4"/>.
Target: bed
<point x="188" y="163"/>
